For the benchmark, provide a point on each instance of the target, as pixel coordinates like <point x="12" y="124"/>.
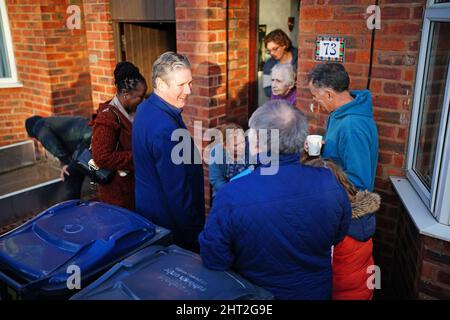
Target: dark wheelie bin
<point x="42" y="258"/>
<point x="169" y="273"/>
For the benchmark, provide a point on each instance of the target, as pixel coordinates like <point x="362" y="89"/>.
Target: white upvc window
<point x="428" y="161"/>
<point x="8" y="72"/>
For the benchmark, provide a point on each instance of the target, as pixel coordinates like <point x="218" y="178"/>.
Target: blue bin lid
<point x="169" y="273"/>
<point x="86" y="234"/>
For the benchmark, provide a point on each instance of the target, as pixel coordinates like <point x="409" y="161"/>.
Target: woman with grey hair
<point x="283" y="83"/>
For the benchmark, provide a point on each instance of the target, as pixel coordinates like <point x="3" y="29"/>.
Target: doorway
<point x="286" y="19"/>
<point x="142" y="43"/>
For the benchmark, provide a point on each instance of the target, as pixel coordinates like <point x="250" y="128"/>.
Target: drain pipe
<point x="369" y="75"/>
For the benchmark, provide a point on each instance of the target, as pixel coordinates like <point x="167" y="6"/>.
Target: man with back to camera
<point x="277" y="229"/>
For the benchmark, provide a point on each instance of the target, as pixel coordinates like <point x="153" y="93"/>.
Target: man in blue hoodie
<point x="276" y="227"/>
<point x="351" y="139"/>
<point x="168" y="193"/>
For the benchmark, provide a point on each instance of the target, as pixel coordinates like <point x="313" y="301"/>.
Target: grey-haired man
<point x="168" y="194"/>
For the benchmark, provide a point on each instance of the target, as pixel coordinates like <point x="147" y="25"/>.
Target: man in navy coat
<point x="277" y="227"/>
<point x="168" y="193"/>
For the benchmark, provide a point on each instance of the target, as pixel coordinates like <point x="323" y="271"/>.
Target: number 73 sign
<point x="329" y="48"/>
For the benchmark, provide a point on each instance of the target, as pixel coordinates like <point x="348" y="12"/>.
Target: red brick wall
<point x="34" y="97"/>
<point x="394" y="65"/>
<point x="67" y="60"/>
<point x="421" y="265"/>
<point x="51" y="64"/>
<point x="220" y="90"/>
<point x="238" y="60"/>
<point x="434" y="280"/>
<point x="100" y="47"/>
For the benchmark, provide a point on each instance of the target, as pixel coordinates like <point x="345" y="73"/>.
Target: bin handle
<point x="10" y="281"/>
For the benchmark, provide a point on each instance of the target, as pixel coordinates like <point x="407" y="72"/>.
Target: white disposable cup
<point x="314" y="142"/>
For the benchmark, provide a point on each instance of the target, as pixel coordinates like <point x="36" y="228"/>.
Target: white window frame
<point x="12" y="81"/>
<point x="438" y="199"/>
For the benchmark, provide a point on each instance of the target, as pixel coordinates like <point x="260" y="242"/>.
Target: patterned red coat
<point x="111" y="149"/>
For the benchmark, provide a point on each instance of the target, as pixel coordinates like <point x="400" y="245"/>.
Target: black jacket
<point x="63" y="135"/>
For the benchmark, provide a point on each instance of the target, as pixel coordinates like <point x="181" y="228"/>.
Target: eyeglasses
<point x="275" y="49"/>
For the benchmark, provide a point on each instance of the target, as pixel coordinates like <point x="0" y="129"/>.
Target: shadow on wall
<point x="75" y="99"/>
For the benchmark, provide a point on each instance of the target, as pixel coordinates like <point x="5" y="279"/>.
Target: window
<point x="429" y="141"/>
<point x="8" y="74"/>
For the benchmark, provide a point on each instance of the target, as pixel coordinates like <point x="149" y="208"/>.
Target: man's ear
<point x="329" y="94"/>
<point x="161" y="84"/>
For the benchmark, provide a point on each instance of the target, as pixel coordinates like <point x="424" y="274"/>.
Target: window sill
<point x="17" y="84"/>
<point x="419" y="213"/>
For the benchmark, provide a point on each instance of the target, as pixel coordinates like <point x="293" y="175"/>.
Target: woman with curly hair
<point x="111" y="137"/>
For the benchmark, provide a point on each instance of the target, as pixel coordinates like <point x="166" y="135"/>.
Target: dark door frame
<point x="253" y="58"/>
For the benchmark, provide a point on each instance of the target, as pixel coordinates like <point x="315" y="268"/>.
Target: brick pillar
<point x="220" y="72"/>
<point x="238" y="60"/>
<point x="201" y="35"/>
<point x="100" y="46"/>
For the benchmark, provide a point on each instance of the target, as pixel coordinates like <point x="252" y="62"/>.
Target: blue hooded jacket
<point x="277" y="230"/>
<point x="168" y="194"/>
<point x="351" y="141"/>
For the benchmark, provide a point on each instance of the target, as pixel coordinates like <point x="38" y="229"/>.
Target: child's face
<point x="235" y="144"/>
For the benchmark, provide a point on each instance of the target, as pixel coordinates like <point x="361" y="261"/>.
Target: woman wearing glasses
<point x="280" y="48"/>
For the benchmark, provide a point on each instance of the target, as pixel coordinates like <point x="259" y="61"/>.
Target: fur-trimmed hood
<point x="365" y="202"/>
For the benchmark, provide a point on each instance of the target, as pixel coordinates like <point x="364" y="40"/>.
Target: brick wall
<point x="407" y="261"/>
<point x="434" y="280"/>
<point x="220" y="90"/>
<point x="67" y="60"/>
<point x="393" y="74"/>
<point x="238" y="60"/>
<point x="100" y="48"/>
<point x="421" y="265"/>
<point x="51" y="64"/>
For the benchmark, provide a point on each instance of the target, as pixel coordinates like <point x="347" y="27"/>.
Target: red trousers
<point x="351" y="259"/>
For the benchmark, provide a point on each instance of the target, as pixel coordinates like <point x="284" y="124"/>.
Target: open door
<point x="143" y="30"/>
<point x="142" y="43"/>
<point x="286" y="19"/>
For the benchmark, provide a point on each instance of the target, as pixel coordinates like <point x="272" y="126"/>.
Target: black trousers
<point x="73" y="182"/>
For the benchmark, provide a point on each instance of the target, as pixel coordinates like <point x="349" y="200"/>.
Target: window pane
<point x="5" y="71"/>
<point x="432" y="100"/>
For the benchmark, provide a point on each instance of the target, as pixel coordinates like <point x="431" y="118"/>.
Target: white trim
<point x="439" y="156"/>
<point x="16" y="144"/>
<point x="418" y="212"/>
<point x="11" y="85"/>
<point x="13" y="80"/>
<point x="442" y="199"/>
<point x="414" y="122"/>
<point x="31" y="188"/>
<point x="437" y="199"/>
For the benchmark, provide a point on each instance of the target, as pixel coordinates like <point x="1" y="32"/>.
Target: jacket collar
<point x="165" y="106"/>
<point x="361" y="105"/>
<point x="282" y="159"/>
